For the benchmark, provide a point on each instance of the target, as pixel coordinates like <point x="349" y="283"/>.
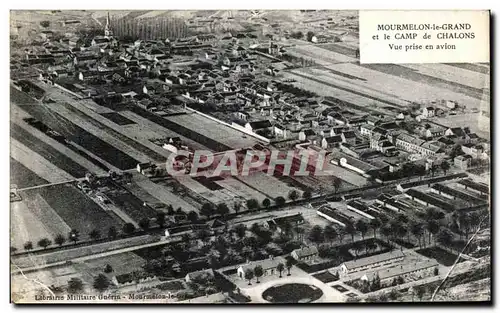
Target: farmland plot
<point x="268" y="185"/>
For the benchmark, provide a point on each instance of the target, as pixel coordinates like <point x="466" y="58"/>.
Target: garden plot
<point x="37" y="164"/>
<point x="241" y="189"/>
<point x="122" y="263"/>
<point x="81" y="137"/>
<point x="139" y="143"/>
<point x="160" y="131"/>
<point x="162" y="193"/>
<point x="216" y="131"/>
<point x="268" y="185"/>
<point x="216" y="196"/>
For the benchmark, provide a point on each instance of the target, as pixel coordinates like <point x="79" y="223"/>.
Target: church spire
<point x="107" y="28"/>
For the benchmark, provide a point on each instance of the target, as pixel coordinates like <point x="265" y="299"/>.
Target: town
<point x="392" y="202"/>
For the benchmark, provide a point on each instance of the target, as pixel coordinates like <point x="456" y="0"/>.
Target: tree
<point x="266" y="203"/>
<point x="192" y="216"/>
<point x="330" y="233"/>
<point x="28" y="246"/>
<point x="128" y="228"/>
<point x="59" y="239"/>
<point x="240" y="230"/>
<point x="307" y="194"/>
<point x="349" y="229"/>
<point x="337" y="182"/>
<point x="375" y="226"/>
<point x="418" y="231"/>
<point x="386" y="231"/>
<point x="445" y="166"/>
<point x="252" y="204"/>
<point x="316" y="234"/>
<point x="362" y="227"/>
<point x="237" y="207"/>
<point x="74" y="235"/>
<point x="249" y="275"/>
<point x="112" y="232"/>
<point x="95" y="234"/>
<point x="45" y="24"/>
<point x="44" y="243"/>
<point x="101" y="283"/>
<point x="222" y="209"/>
<point x="75" y="285"/>
<point x="432" y="228"/>
<point x="420" y="291"/>
<point x="293" y="195"/>
<point x="309" y="35"/>
<point x="207" y="209"/>
<point x="144" y="223"/>
<point x="456" y="151"/>
<point x="258" y="272"/>
<point x="445" y="238"/>
<point x="161" y="218"/>
<point x="170" y="210"/>
<point x="280" y="201"/>
<point x="280" y="268"/>
<point x="289" y="263"/>
<point x="108" y="268"/>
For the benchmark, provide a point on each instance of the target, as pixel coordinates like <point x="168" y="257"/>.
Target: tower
<point x="107" y="29"/>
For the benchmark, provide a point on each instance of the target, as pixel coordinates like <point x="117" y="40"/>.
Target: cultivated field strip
<point x="322" y="88"/>
<point x="410" y="74"/>
<point x="89" y="166"/>
<point x="76" y="209"/>
<point x="24" y="226"/>
<point x="37" y="164"/>
<point x="453" y="74"/>
<point x="161" y="131"/>
<point x="182" y="130"/>
<point x="122" y="142"/>
<point x="81" y="137"/>
<point x="164" y="195"/>
<point x="480" y="68"/>
<point x="47" y="151"/>
<point x="240" y="189"/>
<point x="23" y="177"/>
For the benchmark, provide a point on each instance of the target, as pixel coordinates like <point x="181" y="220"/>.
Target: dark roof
<point x="260" y="124"/>
<point x="455" y="193"/>
<point x="430" y="200"/>
<point x="333" y="139"/>
<point x="475" y="186"/>
<point x="306" y="251"/>
<point x="349" y="134"/>
<point x="296" y="218"/>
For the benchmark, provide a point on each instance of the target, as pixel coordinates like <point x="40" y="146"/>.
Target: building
<point x="134" y="278"/>
<point x="305" y="254"/>
<point x="203" y="275"/>
<point x="268" y="266"/>
<point x="386" y="275"/>
<point x="384" y="259"/>
<point x="463" y="162"/>
<point x="428" y="112"/>
<point x="280" y="223"/>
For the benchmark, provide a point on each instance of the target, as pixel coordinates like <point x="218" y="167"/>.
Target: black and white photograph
<point x="244" y="157"/>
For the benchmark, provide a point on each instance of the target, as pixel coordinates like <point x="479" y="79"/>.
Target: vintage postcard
<point x="249" y="156"/>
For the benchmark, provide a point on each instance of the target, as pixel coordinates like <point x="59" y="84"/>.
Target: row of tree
<point x="258" y="271"/>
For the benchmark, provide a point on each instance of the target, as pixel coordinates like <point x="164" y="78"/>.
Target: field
<point x="74" y="208"/>
<point x="46" y="151"/>
<point x="442" y="256"/>
<point x="270" y="186"/>
<point x="117" y="118"/>
<point x="23" y="177"/>
<point x="215" y="131"/>
<point x="82" y="137"/>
